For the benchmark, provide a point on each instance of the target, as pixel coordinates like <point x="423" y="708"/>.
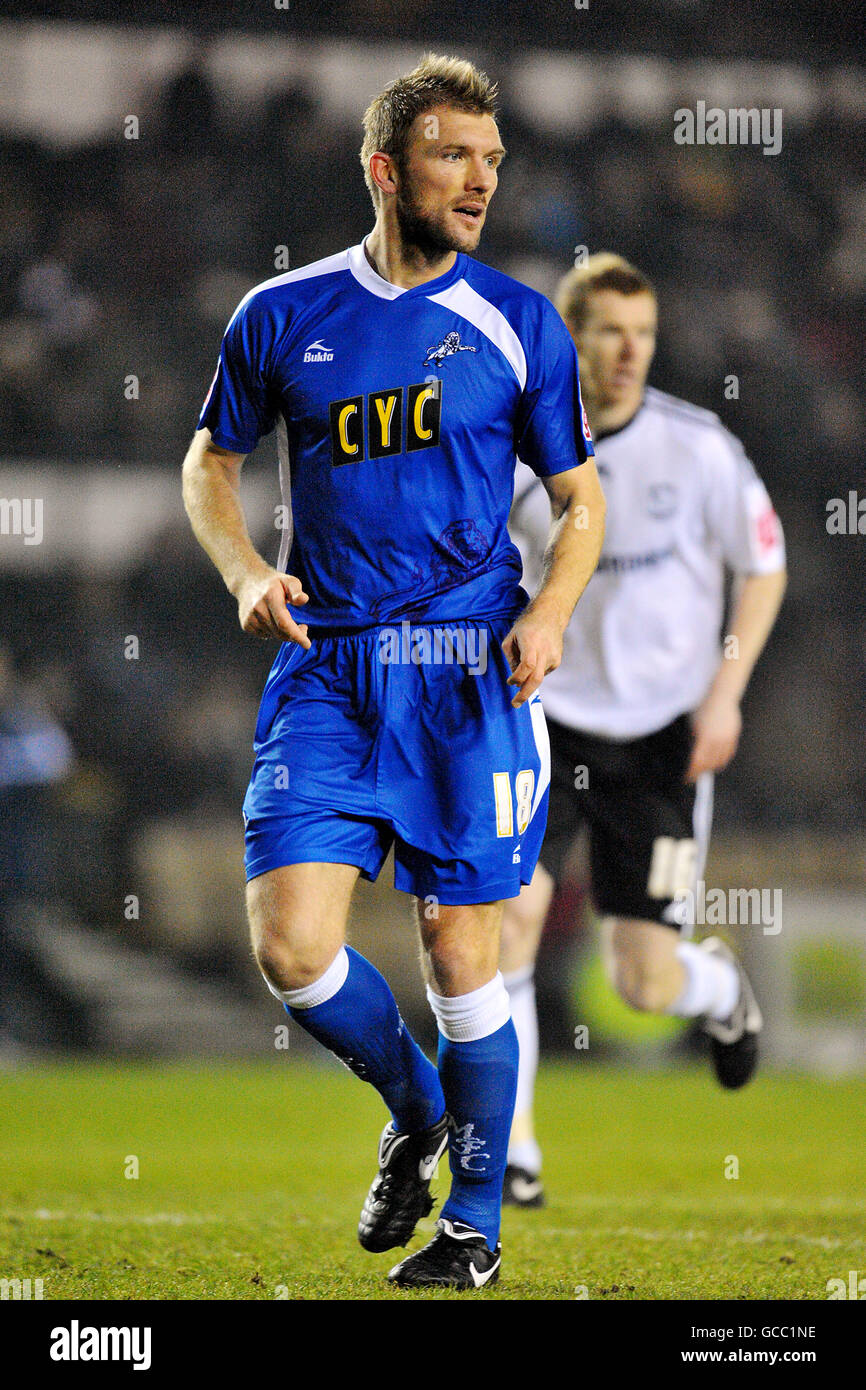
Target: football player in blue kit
<point x="402" y="379"/>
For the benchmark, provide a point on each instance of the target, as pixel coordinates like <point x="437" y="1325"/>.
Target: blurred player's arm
<point x="717" y="722"/>
<point x="534" y="644"/>
<point x="211" y="495"/>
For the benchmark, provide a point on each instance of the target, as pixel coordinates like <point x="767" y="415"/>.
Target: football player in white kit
<point x="645" y="706"/>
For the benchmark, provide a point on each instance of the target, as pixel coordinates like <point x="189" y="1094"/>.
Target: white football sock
<point x="470" y="1017"/>
<point x="712" y="985"/>
<point x="525" y="1155"/>
<point x="521" y="991"/>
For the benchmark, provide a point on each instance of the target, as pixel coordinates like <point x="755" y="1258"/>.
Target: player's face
<point x="447" y="179"/>
<point x="616" y="346"/>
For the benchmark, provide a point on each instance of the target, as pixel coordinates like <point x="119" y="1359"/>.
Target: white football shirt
<point x="683" y="503"/>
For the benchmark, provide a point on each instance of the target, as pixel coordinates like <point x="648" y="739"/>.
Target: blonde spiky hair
<point x="436" y="81"/>
<point x="603" y="271"/>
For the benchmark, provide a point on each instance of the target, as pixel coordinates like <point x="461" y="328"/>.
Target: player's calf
<point x="648" y="988"/>
<point x="642" y="964"/>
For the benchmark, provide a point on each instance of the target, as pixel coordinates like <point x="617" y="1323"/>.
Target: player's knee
<point x="450" y="969"/>
<point x="520" y="918"/>
<point x="456" y="967"/>
<point x="286" y="966"/>
<point x="523" y="917"/>
<point x="273" y="961"/>
<point x="520" y="930"/>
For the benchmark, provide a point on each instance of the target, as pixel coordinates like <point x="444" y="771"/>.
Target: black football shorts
<point x="648" y="828"/>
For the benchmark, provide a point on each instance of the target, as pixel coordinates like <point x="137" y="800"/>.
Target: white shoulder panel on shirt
<point x="489" y="320"/>
<point x="329" y="265"/>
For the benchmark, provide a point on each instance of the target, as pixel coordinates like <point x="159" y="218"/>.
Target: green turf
<point x="251" y="1178"/>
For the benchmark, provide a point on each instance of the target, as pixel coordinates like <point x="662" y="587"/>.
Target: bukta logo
<point x="447" y="348"/>
<point x="317" y="352"/>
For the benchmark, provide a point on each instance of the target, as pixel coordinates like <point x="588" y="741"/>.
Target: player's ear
<point x="573" y="330"/>
<point x="382" y="170"/>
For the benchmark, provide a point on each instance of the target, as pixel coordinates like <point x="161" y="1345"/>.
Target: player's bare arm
<point x="211" y="494"/>
<point x="717" y="722"/>
<point x="534" y="644"/>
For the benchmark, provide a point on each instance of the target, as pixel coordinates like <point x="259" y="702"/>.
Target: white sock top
<point x="321" y="990"/>
<point x="472" y="1016"/>
<point x="711" y="987"/>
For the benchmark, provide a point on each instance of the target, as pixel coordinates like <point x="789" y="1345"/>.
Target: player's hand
<point x="533" y="647"/>
<point x="262" y="607"/>
<point x="716" y="724"/>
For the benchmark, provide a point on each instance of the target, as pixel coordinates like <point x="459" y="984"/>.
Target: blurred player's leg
<point x="649" y="835"/>
<point x="298" y="919"/>
<point x="522" y="926"/>
<point x="734" y="1038"/>
<point x="643" y="966"/>
<point x="653" y="970"/>
<point x="478" y="1055"/>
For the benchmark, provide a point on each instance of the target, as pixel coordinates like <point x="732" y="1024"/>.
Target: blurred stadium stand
<point x="124" y="258"/>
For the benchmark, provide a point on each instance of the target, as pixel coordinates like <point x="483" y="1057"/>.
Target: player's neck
<point x="607" y="416"/>
<point x="402" y="265"/>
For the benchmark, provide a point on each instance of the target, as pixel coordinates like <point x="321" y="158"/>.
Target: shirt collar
<point x="371" y="280"/>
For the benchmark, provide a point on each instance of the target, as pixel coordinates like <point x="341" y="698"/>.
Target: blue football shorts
<point x="401" y="736"/>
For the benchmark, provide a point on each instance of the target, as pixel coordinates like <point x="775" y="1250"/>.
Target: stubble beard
<point x="423" y="233"/>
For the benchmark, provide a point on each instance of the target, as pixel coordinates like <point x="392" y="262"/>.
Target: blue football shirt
<point x="399" y="413"/>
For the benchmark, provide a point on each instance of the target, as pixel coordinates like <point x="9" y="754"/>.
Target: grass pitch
<point x="250" y="1179"/>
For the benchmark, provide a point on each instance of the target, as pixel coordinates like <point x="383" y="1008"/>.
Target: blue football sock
<point x="479" y="1080"/>
<point x="361" y="1025"/>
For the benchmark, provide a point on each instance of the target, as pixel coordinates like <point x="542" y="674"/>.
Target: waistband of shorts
<point x="396" y="625"/>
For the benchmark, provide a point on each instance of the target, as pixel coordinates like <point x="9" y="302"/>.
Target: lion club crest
<point x="450" y="344"/>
